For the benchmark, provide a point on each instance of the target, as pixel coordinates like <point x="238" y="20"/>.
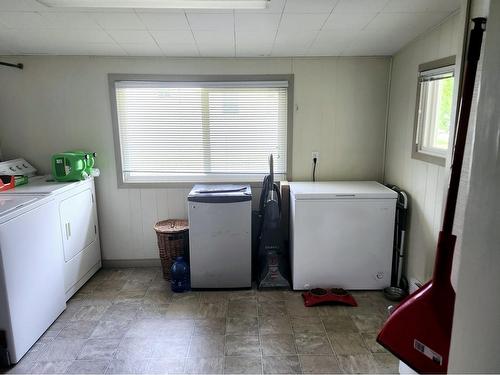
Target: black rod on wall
<point x="18" y="66"/>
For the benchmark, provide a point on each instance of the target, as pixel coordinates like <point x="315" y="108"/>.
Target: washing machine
<point x="32" y="293"/>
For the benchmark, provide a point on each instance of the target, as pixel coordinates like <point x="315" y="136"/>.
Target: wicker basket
<point x="173" y="242"/>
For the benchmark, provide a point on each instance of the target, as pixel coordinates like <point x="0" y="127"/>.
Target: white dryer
<point x="78" y="225"/>
<point x="32" y="291"/>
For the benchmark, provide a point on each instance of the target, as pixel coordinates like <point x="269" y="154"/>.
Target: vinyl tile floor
<point x="127" y="321"/>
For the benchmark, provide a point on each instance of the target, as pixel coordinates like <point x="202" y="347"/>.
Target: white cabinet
<point x="77" y="223"/>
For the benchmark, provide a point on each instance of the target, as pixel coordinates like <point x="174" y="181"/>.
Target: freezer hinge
<point x="4" y="352"/>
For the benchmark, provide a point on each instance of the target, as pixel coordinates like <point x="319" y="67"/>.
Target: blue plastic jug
<point x="179" y="276"/>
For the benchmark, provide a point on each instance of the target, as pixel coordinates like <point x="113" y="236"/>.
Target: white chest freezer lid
<point x="341" y="190"/>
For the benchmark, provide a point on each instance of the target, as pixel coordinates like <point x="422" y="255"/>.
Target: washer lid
<point x="44" y="185"/>
<point x="10" y="203"/>
<point x="220" y="193"/>
<point x="341" y="190"/>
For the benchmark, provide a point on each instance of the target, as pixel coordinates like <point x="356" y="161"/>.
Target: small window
<point x="199" y="129"/>
<point x="434" y="110"/>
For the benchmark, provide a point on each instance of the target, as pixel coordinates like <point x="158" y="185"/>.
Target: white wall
<point x="61" y="103"/>
<point x="475" y="343"/>
<point x="425" y="182"/>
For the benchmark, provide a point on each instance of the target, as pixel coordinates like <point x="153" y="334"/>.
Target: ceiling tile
<point x="209" y="11"/>
<point x="22" y="20"/>
<point x="284" y="50"/>
<point x="307" y="27"/>
<point x="30" y="48"/>
<point x="105" y="49"/>
<point x="298" y="38"/>
<point x="173" y="36"/>
<point x="254" y="38"/>
<point x="16" y="38"/>
<point x="348" y="21"/>
<point x="400" y="22"/>
<point x="323" y="50"/>
<point x="256" y="50"/>
<point x="216" y="50"/>
<point x="211" y="21"/>
<point x="257" y="21"/>
<point x="333" y="38"/>
<point x="174" y="49"/>
<point x="79" y="35"/>
<point x="214" y="37"/>
<point x="140" y="49"/>
<point x="310" y="6"/>
<point x="360" y="6"/>
<point x="164" y="21"/>
<point x="378" y="42"/>
<point x="406" y="6"/>
<point x="102" y="49"/>
<point x="69" y="20"/>
<point x="131" y="36"/>
<point x="313" y="21"/>
<point x="118" y="20"/>
<point x="275" y="6"/>
<point x="160" y="10"/>
<point x="21" y="5"/>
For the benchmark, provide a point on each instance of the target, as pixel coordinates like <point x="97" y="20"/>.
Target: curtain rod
<point x="18" y="66"/>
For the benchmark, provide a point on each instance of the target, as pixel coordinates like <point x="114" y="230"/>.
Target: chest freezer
<point x="341" y="234"/>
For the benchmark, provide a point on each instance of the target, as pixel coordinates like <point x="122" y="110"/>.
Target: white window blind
<point x="201" y="131"/>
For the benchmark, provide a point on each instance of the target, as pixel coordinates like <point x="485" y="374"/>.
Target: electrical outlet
<point x="315" y="154"/>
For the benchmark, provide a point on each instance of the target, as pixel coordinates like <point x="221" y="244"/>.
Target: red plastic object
<point x="6" y="182"/>
<point x="320" y="296"/>
<point x="419" y="330"/>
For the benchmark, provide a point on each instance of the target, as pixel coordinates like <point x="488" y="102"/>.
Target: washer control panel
<point x="17" y="167"/>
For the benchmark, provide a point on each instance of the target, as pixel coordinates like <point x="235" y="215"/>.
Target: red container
<point x="7" y="182"/>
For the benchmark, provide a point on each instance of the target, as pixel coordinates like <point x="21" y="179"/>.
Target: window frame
<point x="418" y="151"/>
<point x="114" y="77"/>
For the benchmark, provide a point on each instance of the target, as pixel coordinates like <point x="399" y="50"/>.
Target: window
<point x="199" y="129"/>
<point x="434" y="110"/>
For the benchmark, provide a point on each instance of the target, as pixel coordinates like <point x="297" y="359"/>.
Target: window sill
<point x="158" y="181"/>
<point x="155" y="183"/>
<point x="428" y="158"/>
<point x="180" y="185"/>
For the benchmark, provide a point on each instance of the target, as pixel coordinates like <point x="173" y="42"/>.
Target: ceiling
<point x="286" y="28"/>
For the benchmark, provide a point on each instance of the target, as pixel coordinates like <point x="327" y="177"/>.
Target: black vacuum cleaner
<point x="273" y="264"/>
